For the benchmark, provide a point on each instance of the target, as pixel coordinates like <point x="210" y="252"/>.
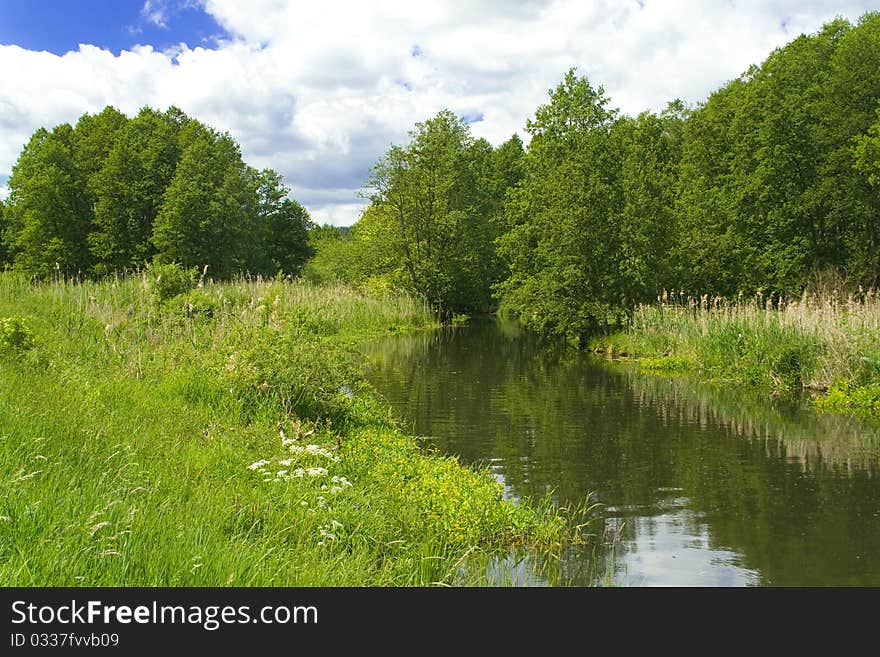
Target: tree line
<point x="114" y="193"/>
<point x="771" y="182"/>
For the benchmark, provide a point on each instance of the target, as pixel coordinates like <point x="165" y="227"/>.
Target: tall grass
<point x="822" y="342"/>
<point x="223" y="437"/>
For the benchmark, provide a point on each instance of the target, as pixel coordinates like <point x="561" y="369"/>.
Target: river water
<point x="697" y="484"/>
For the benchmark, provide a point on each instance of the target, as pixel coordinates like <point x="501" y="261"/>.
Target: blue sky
<point x="319" y="90"/>
<point x="59" y="26"/>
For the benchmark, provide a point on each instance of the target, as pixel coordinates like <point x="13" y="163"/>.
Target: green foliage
<point x="192" y="304"/>
<point x="130" y="188"/>
<point x="148" y="451"/>
<point x="47" y="212"/>
<point x="844" y="397"/>
<point x="3" y="254"/>
<point x="15" y="336"/>
<point x="563" y="244"/>
<point x="114" y="193"/>
<point x="286" y="365"/>
<point x="435" y="214"/>
<point x="165" y="281"/>
<point x="208" y="215"/>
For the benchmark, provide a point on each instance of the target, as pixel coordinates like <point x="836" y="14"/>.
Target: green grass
<point x="129" y="425"/>
<point x="818" y="343"/>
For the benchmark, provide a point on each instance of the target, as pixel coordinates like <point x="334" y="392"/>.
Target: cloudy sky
<point x="319" y="90"/>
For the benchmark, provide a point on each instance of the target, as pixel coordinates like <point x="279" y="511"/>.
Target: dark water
<point x="701" y="485"/>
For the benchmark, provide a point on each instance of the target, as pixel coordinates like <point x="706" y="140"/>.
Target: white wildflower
<point x="299" y="472"/>
<point x="285" y="462"/>
<point x="303" y="503"/>
<point x="336" y="489"/>
<point x="5" y="519"/>
<point x="258" y="464"/>
<point x="281" y="473"/>
<point x="316" y="472"/>
<point x="341" y="481"/>
<point x="335" y="524"/>
<point x="314" y="450"/>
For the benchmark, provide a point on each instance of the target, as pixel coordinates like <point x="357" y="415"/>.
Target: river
<point x="698" y="484"/>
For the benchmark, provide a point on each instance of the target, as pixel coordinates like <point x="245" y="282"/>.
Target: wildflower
<point x="335" y="524"/>
<point x="299" y="472"/>
<point x="5" y="519"/>
<point x="281" y="473"/>
<point x="341" y="481"/>
<point x="286" y="462"/>
<point x="336" y="489"/>
<point x="258" y="464"/>
<point x="303" y="503"/>
<point x="316" y="472"/>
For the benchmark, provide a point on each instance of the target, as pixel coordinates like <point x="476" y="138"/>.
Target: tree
<point x="3" y="254"/>
<point x="563" y="241"/>
<point x="651" y="148"/>
<point x="285" y="226"/>
<point x="427" y="193"/>
<point x="208" y="213"/>
<point x="47" y="211"/>
<point x="130" y="189"/>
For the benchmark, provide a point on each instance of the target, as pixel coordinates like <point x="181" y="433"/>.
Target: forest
<point x="771" y="184"/>
<point x="112" y="194"/>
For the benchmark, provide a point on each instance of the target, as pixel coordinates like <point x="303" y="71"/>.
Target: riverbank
<point x="826" y="345"/>
<point x="223" y="437"/>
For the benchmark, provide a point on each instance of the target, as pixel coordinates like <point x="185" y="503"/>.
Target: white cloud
<point x="155" y="12"/>
<point x="319" y="90"/>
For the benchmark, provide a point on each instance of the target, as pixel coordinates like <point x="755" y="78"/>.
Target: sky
<point x="320" y="90"/>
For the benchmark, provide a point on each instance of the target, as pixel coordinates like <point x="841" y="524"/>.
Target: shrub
<point x="166" y="281"/>
<point x="15" y="336"/>
<point x="193" y="304"/>
<point x="287" y="370"/>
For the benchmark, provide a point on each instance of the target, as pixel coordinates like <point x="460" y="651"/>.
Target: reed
<point x="823" y="342"/>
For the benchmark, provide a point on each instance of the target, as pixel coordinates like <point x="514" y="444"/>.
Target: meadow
<point x="163" y="430"/>
<point x="827" y="343"/>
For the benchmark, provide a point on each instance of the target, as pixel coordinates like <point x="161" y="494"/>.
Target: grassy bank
<point x="826" y="344"/>
<point x="222" y="436"/>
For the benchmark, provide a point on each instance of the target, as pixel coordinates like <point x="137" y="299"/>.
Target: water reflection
<point x="706" y="485"/>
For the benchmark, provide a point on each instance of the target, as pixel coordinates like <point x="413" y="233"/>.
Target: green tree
<point x="651" y="148"/>
<point x="93" y="137"/>
<point x="849" y="104"/>
<point x="563" y="242"/>
<point x="285" y="226"/>
<point x="427" y="193"/>
<point x="867" y="153"/>
<point x="3" y="254"/>
<point x="208" y="214"/>
<point x="47" y="210"/>
<point x="130" y="189"/>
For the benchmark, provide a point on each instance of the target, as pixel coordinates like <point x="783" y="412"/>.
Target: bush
<point x="287" y="370"/>
<point x="166" y="281"/>
<point x="15" y="336"/>
<point x="193" y="304"/>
